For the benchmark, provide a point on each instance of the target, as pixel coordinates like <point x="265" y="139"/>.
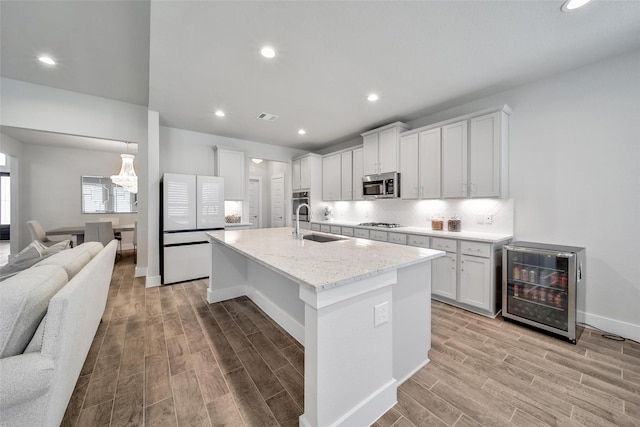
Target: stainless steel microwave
<point x="381" y="186"/>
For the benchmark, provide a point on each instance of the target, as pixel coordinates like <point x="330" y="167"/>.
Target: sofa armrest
<point x="24" y="377"/>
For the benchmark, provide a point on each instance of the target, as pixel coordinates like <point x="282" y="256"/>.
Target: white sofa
<point x="49" y="315"/>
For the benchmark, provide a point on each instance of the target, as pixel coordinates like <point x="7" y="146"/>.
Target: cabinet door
<point x="346" y="178"/>
<point x="454" y="160"/>
<point x="358" y="172"/>
<point x="331" y="177"/>
<point x="370" y="158"/>
<point x="295" y="175"/>
<point x="475" y="281"/>
<point x="443" y="276"/>
<point x="305" y="173"/>
<point x="388" y="151"/>
<point x="409" y="167"/>
<point x="484" y="156"/>
<point x="230" y="166"/>
<point x="429" y="164"/>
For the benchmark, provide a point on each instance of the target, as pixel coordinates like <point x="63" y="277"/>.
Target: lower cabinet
<point x="444" y="276"/>
<point x="475" y="282"/>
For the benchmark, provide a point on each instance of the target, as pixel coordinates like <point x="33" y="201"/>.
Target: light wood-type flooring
<point x="165" y="357"/>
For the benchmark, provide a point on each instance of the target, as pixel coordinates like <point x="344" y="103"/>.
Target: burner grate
<point x="380" y="224"/>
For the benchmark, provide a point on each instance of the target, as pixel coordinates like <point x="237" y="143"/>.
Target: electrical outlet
<point x="381" y="314"/>
<point x="488" y="219"/>
<point x="480" y="218"/>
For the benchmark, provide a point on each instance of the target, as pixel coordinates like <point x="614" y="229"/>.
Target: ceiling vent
<point x="268" y="117"/>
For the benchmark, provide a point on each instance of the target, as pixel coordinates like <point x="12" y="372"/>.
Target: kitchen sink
<point x="321" y="238"/>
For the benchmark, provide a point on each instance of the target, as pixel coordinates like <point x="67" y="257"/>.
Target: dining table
<point x="78" y="231"/>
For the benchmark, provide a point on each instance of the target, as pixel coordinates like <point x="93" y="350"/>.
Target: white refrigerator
<point x="191" y="205"/>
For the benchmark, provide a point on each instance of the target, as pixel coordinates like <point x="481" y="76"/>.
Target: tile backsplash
<point x="418" y="213"/>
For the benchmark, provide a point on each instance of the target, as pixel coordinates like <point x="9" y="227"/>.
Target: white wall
<point x="575" y="176"/>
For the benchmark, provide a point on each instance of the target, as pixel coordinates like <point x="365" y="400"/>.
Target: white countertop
<point x="237" y="224"/>
<point x="461" y="235"/>
<point x="320" y="265"/>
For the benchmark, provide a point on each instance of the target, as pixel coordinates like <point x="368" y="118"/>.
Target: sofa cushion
<point x="29" y="256"/>
<point x="92" y="248"/>
<point x="24" y="299"/>
<point x="70" y="260"/>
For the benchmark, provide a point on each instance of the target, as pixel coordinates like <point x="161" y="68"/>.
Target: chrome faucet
<point x="296" y="232"/>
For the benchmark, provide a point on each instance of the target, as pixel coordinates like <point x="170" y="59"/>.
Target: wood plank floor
<point x="165" y="357"/>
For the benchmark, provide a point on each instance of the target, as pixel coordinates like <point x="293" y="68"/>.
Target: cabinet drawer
<point x="398" y="238"/>
<point x="315" y="227"/>
<point x="347" y="231"/>
<point x="335" y="229"/>
<point x="325" y="228"/>
<point x="420" y="241"/>
<point x="362" y="233"/>
<point x="476" y="249"/>
<point x="378" y="235"/>
<point x="443" y="244"/>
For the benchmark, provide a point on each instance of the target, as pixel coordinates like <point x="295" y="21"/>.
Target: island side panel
<point x="411" y="320"/>
<point x="348" y="361"/>
<point x="228" y="275"/>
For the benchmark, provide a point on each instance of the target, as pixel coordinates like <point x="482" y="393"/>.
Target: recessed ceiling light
<point x="302" y="132"/>
<point x="47" y="60"/>
<point x="256" y="161"/>
<point x="220" y="113"/>
<point x="573" y="4"/>
<point x="372" y="97"/>
<point x="268" y="52"/>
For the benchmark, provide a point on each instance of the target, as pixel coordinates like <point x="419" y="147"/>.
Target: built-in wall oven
<point x="298" y="198"/>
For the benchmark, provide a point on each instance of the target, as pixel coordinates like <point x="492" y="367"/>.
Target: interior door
<point x="254" y="202"/>
<point x="277" y="201"/>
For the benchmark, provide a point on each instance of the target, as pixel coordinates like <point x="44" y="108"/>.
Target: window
<point x="100" y="195"/>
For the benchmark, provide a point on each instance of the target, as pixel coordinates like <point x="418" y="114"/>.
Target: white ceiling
<point x="185" y="59"/>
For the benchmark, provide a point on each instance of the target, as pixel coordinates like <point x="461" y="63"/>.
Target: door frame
<point x="259" y="179"/>
<point x="284" y="205"/>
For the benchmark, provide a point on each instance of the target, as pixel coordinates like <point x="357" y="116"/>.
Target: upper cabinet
<point x="342" y="175"/>
<point x="488" y="155"/>
<point x="381" y="149"/>
<point x="230" y="164"/>
<point x="331" y="174"/>
<point x="463" y="157"/>
<point x="305" y="169"/>
<point x="358" y="172"/>
<point x="420" y="165"/>
<point x="454" y="160"/>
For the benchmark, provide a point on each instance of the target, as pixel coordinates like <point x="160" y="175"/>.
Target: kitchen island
<point x="361" y="308"/>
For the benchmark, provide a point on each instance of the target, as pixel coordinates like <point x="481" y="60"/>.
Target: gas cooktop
<point x="379" y="224"/>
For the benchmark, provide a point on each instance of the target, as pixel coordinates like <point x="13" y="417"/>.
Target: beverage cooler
<point x="543" y="286"/>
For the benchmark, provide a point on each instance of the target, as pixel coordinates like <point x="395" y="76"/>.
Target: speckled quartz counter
<point x="424" y="231"/>
<point x="361" y="308"/>
<point x="320" y="265"/>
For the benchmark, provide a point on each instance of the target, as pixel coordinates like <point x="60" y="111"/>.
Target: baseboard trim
<point x="617" y="327"/>
<point x="152" y="281"/>
<point x="276" y="313"/>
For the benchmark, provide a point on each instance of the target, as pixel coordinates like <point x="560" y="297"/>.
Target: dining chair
<point x="100" y="231"/>
<point x="37" y="233"/>
<point x="117" y="234"/>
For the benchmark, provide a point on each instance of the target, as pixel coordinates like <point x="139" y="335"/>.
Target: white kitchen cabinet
<point x="454" y="160"/>
<point x="331" y="173"/>
<point x="230" y="164"/>
<point x="361" y="233"/>
<point x="381" y="148"/>
<point x="488" y="155"/>
<point x="346" y="176"/>
<point x="409" y="164"/>
<point x="474" y="284"/>
<point x="418" y="240"/>
<point x="315" y="227"/>
<point x="325" y="228"/>
<point x="420" y="165"/>
<point x="398" y="238"/>
<point x="444" y="276"/>
<point x="380" y="236"/>
<point x="306" y="172"/>
<point x="358" y="172"/>
<point x="476" y="287"/>
<point x="347" y="231"/>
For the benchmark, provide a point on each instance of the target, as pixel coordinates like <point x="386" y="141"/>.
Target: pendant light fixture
<point x="127" y="177"/>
